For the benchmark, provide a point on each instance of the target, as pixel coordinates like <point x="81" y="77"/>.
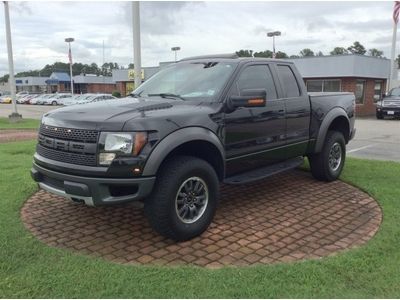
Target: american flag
<point x="70" y="56"/>
<point x="396" y="11"/>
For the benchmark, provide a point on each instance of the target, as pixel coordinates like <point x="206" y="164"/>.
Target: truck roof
<point x="232" y="57"/>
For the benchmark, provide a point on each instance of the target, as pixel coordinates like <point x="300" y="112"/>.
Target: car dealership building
<point x="365" y="76"/>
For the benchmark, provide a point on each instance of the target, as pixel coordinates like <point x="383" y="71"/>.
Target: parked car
<point x="389" y="105"/>
<point x="193" y="125"/>
<point x="87" y="98"/>
<point x="57" y="99"/>
<point x="38" y="100"/>
<point x="6" y="99"/>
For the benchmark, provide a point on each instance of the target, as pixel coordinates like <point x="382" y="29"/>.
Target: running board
<point x="264" y="172"/>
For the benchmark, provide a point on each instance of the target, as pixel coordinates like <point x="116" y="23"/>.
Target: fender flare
<point x="327" y="121"/>
<point x="174" y="140"/>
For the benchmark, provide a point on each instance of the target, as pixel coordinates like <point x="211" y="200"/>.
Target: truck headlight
<point x="120" y="143"/>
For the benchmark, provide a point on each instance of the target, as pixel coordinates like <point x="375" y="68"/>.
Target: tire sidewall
<point x="196" y="228"/>
<point x="334" y="137"/>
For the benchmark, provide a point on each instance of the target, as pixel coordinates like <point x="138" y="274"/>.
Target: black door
<point x="298" y="109"/>
<point x="253" y="136"/>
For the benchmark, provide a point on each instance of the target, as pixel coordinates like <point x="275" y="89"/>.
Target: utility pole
<point x="15" y="116"/>
<point x="273" y="35"/>
<point x="136" y="43"/>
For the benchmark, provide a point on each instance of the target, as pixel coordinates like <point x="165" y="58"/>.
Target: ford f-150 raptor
<point x="194" y="124"/>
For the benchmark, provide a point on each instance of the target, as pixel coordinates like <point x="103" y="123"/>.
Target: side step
<point x="264" y="172"/>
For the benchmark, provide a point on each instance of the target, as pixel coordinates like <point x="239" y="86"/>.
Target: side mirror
<point x="249" y="98"/>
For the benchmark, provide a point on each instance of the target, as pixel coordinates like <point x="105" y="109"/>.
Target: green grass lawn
<point x="29" y="268"/>
<point x="23" y="124"/>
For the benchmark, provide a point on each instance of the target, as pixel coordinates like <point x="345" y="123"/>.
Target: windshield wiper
<point x="135" y="95"/>
<point x="167" y="95"/>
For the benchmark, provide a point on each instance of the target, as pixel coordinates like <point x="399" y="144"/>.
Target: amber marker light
<point x="255" y="101"/>
<point x="140" y="142"/>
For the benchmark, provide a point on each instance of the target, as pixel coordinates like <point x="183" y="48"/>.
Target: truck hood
<point x="114" y="114"/>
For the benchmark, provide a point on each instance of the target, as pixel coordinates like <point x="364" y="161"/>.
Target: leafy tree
<point x="131" y="66"/>
<point x="306" y="52"/>
<point x="339" y="51"/>
<point x="4" y="78"/>
<point x="319" y="53"/>
<point x="266" y="53"/>
<point x="245" y="53"/>
<point x="375" y="52"/>
<point x="294" y="56"/>
<point x="280" y="54"/>
<point x="357" y="48"/>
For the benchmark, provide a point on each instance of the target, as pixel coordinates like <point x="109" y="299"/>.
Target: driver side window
<point x="257" y="77"/>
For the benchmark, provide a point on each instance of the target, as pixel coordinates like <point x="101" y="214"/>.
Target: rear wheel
<point x="328" y="164"/>
<point x="183" y="202"/>
<point x="54" y="103"/>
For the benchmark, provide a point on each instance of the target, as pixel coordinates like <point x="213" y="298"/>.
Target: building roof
<point x="93" y="79"/>
<point x="60" y="76"/>
<point x="351" y="65"/>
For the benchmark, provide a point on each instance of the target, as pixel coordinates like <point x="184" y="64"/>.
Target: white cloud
<point x="39" y="29"/>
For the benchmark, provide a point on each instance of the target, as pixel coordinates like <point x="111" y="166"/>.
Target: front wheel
<point x="54" y="103"/>
<point x="328" y="164"/>
<point x="183" y="202"/>
<point x="379" y="116"/>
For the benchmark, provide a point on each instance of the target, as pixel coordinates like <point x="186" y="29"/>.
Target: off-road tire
<point x="319" y="163"/>
<point x="160" y="207"/>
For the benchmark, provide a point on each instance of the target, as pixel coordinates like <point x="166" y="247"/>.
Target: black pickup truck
<point x="194" y="124"/>
<point x="389" y="106"/>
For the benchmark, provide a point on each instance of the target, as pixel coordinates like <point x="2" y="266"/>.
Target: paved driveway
<point x="27" y="111"/>
<point x="376" y="139"/>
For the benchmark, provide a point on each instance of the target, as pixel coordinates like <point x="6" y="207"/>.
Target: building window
<point x="378" y="91"/>
<point x="330" y="85"/>
<point x="360" y="91"/>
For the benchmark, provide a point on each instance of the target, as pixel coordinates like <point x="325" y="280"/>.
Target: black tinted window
<point x="257" y="77"/>
<point x="289" y="81"/>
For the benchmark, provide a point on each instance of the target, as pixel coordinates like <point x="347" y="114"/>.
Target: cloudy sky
<point x="39" y="29"/>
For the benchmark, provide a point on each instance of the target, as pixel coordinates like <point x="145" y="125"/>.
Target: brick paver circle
<point x="284" y="218"/>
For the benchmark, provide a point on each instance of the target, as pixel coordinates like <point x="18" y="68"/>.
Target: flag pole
<point x="393" y="68"/>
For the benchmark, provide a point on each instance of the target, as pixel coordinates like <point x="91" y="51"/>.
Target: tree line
<point x="77" y="68"/>
<point x="355" y="48"/>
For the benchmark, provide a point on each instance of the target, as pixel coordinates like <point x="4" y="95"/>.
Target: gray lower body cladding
<point x="92" y="190"/>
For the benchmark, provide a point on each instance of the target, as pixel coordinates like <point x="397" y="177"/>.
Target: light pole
<point x="273" y="34"/>
<point x="69" y="41"/>
<point x="176" y="49"/>
<point x="11" y="80"/>
<point x="137" y="60"/>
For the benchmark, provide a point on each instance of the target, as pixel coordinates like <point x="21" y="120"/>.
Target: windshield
<point x="188" y="80"/>
<point x="395" y="92"/>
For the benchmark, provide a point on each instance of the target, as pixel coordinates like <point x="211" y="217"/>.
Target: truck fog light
<point x="106" y="159"/>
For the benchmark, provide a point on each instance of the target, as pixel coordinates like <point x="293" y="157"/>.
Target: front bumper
<point x="388" y="111"/>
<point x="93" y="191"/>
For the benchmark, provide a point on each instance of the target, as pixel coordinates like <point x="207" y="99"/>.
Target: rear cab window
<point x="289" y="82"/>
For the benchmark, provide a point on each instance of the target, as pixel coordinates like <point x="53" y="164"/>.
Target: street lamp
<point x="273" y="34"/>
<point x="175" y="49"/>
<point x="69" y="41"/>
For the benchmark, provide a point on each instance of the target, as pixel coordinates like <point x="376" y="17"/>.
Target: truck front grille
<point x="67" y="157"/>
<point x="74" y="146"/>
<point x="72" y="134"/>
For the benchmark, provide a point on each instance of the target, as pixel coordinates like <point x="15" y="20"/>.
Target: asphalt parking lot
<point x="375" y="139"/>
